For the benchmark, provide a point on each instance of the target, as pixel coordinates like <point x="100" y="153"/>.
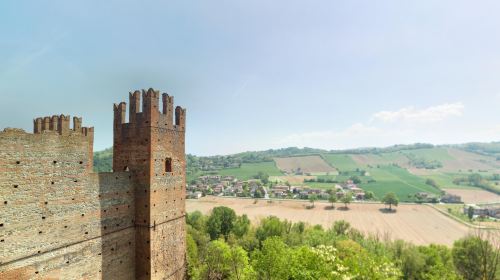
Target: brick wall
<point x="59" y="220"/>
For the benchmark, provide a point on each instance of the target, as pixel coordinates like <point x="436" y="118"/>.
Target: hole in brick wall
<point x="5" y="202"/>
<point x="105" y="210"/>
<point x="36" y="272"/>
<point x="39" y="252"/>
<point x="116" y="178"/>
<point x="86" y="232"/>
<point x="129" y="243"/>
<point x="83" y="215"/>
<point x="112" y="249"/>
<point x="76" y="181"/>
<point x="43" y="218"/>
<point x="40" y="232"/>
<point x="67" y="261"/>
<point x="116" y="208"/>
<point x="128" y="206"/>
<point x="15" y="186"/>
<point x="46" y="203"/>
<point x="2" y="240"/>
<point x="65" y="226"/>
<point x="146" y="206"/>
<point x="168" y="165"/>
<point x="73" y="198"/>
<point x="1" y="225"/>
<point x="54" y="162"/>
<point x="105" y="227"/>
<point x="52" y="183"/>
<point x="18" y="162"/>
<point x="117" y="225"/>
<point x="81" y="162"/>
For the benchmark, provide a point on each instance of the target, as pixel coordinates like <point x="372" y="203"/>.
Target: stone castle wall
<point x="60" y="220"/>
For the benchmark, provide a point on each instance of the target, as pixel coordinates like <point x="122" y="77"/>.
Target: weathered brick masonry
<point x="60" y="220"/>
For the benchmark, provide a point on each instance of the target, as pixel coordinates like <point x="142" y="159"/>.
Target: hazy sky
<point x="261" y="74"/>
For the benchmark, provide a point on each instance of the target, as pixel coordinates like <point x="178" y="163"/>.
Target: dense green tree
<point x="269" y="227"/>
<point x="312" y="198"/>
<point x="220" y="222"/>
<point x="239" y="264"/>
<point x="476" y="258"/>
<point x="355" y="179"/>
<point x="346" y="199"/>
<point x="470" y="212"/>
<point x="263" y="177"/>
<point x="341" y="227"/>
<point x="192" y="258"/>
<point x="369" y="195"/>
<point x="216" y="261"/>
<point x="390" y="199"/>
<point x="332" y="199"/>
<point x="241" y="226"/>
<point x="196" y="220"/>
<point x="272" y="261"/>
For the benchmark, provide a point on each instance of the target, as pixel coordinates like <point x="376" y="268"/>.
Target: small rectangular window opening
<point x="168" y="165"/>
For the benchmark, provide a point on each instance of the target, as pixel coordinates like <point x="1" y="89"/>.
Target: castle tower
<point x="151" y="147"/>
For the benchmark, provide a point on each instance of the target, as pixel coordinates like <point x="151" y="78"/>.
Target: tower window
<point x="168" y="165"/>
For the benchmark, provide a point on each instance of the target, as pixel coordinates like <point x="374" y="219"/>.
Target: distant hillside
<point x="403" y="169"/>
<point x="103" y="160"/>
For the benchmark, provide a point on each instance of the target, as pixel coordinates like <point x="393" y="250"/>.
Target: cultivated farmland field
<point x="248" y="170"/>
<point x="420" y="224"/>
<point x="306" y="164"/>
<point x="343" y="162"/>
<point x="475" y="195"/>
<point x="398" y="180"/>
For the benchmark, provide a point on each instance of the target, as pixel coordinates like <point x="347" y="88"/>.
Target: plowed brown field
<point x="419" y="224"/>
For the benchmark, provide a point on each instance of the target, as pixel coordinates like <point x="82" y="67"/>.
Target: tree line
<point x="223" y="245"/>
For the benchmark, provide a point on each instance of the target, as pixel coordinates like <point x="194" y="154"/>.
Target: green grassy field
<point x="248" y="170"/>
<point x="343" y="162"/>
<point x="440" y="154"/>
<point x="398" y="180"/>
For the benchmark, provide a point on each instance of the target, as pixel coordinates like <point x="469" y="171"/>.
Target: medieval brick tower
<point x="61" y="220"/>
<point x="151" y="147"/>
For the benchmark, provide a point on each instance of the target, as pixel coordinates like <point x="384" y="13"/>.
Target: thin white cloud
<point x="430" y="114"/>
<point x="404" y="126"/>
<point x="357" y="135"/>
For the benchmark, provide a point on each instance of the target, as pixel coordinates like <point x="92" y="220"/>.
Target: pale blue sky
<point x="261" y="74"/>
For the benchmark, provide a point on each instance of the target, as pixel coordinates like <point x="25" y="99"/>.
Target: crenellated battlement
<point x="147" y="113"/>
<point x="62" y="220"/>
<point x="61" y="125"/>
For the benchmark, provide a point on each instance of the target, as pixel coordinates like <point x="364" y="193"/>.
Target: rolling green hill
<point x="402" y="169"/>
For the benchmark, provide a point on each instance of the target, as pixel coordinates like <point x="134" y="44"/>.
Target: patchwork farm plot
<point x="249" y="170"/>
<point x="304" y="164"/>
<point x="476" y="196"/>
